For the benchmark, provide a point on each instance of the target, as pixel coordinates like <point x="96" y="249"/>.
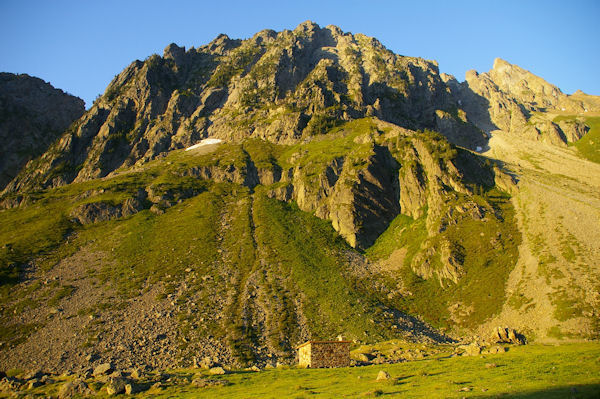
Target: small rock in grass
<point x="116" y="385"/>
<point x="383" y="375"/>
<point x="72" y="389"/>
<point x="200" y="382"/>
<point x="136" y="373"/>
<point x="129" y="389"/>
<point x="490" y="365"/>
<point x="497" y="349"/>
<point x="217" y="371"/>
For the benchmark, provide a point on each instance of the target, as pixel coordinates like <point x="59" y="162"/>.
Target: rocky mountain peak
<point x="174" y="52"/>
<point x="524" y="86"/>
<point x="281" y="87"/>
<point x="32" y="115"/>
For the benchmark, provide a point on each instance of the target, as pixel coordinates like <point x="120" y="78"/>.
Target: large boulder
<point x="74" y="389"/>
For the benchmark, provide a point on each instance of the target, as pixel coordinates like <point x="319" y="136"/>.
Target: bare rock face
<point x="573" y="129"/>
<point x="32" y="115"/>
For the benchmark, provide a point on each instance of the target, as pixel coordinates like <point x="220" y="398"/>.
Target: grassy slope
<point x="298" y="254"/>
<point x="312" y="263"/>
<point x="589" y="145"/>
<point x="532" y="371"/>
<point x="308" y="250"/>
<point x="488" y="262"/>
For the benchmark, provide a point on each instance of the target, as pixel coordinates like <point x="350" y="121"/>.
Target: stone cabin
<point x="315" y="354"/>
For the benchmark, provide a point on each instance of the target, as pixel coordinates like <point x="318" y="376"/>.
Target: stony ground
<point x="558" y="204"/>
<point x="93" y="325"/>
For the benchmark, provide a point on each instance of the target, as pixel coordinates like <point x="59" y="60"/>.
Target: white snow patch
<point x="203" y="143"/>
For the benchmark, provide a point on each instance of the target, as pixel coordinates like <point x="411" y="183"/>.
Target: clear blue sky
<point x="80" y="45"/>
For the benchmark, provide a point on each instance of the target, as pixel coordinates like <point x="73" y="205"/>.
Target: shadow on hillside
<point x="591" y="391"/>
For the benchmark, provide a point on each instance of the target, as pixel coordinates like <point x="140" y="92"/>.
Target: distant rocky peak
<point x="174" y="52"/>
<point x="307" y="27"/>
<point x="500" y="64"/>
<point x="524" y="85"/>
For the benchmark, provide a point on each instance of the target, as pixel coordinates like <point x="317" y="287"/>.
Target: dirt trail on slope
<point x="553" y="291"/>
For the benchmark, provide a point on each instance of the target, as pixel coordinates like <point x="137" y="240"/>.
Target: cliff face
<point x="32" y="115"/>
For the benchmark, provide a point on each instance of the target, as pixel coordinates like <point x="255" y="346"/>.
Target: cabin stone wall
<point x="324" y="354"/>
<point x="304" y="356"/>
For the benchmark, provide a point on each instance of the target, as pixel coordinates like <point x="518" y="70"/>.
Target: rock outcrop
<point x="32" y="115"/>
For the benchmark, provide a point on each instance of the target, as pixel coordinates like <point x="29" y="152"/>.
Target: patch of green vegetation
<point x="321" y="123"/>
<point x="589" y="145"/>
<point x="263" y="153"/>
<point x="234" y="64"/>
<point x="63" y="292"/>
<point x="518" y="301"/>
<point x="570" y="247"/>
<point x="29" y="232"/>
<point x="569" y="302"/>
<point x="338" y="142"/>
<point x="480" y="289"/>
<point x="307" y="250"/>
<point x="145" y="256"/>
<point x="547" y="267"/>
<point x="14" y="334"/>
<point x="555" y="332"/>
<point x="403" y="232"/>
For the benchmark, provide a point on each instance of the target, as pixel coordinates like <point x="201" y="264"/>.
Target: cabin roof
<point x="322" y="342"/>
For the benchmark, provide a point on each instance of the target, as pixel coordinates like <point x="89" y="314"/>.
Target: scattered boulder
<point x="136" y="373"/>
<point x="103" y="369"/>
<point x="200" y="382"/>
<point x="34" y="374"/>
<point x="205" y="363"/>
<point x="217" y="371"/>
<point x="74" y="389"/>
<point x="496" y="349"/>
<point x="130" y="389"/>
<point x="91" y="357"/>
<point x="473" y="349"/>
<point x="383" y="375"/>
<point x="116" y="385"/>
<point x="34" y="383"/>
<point x="8" y="384"/>
<point x="115" y="374"/>
<point x="362" y="357"/>
<point x="507" y="335"/>
<point x="490" y="365"/>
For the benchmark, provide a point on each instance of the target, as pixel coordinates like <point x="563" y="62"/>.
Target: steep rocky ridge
<point x="282" y="87"/>
<point x="32" y="115"/>
<point x="514" y="100"/>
